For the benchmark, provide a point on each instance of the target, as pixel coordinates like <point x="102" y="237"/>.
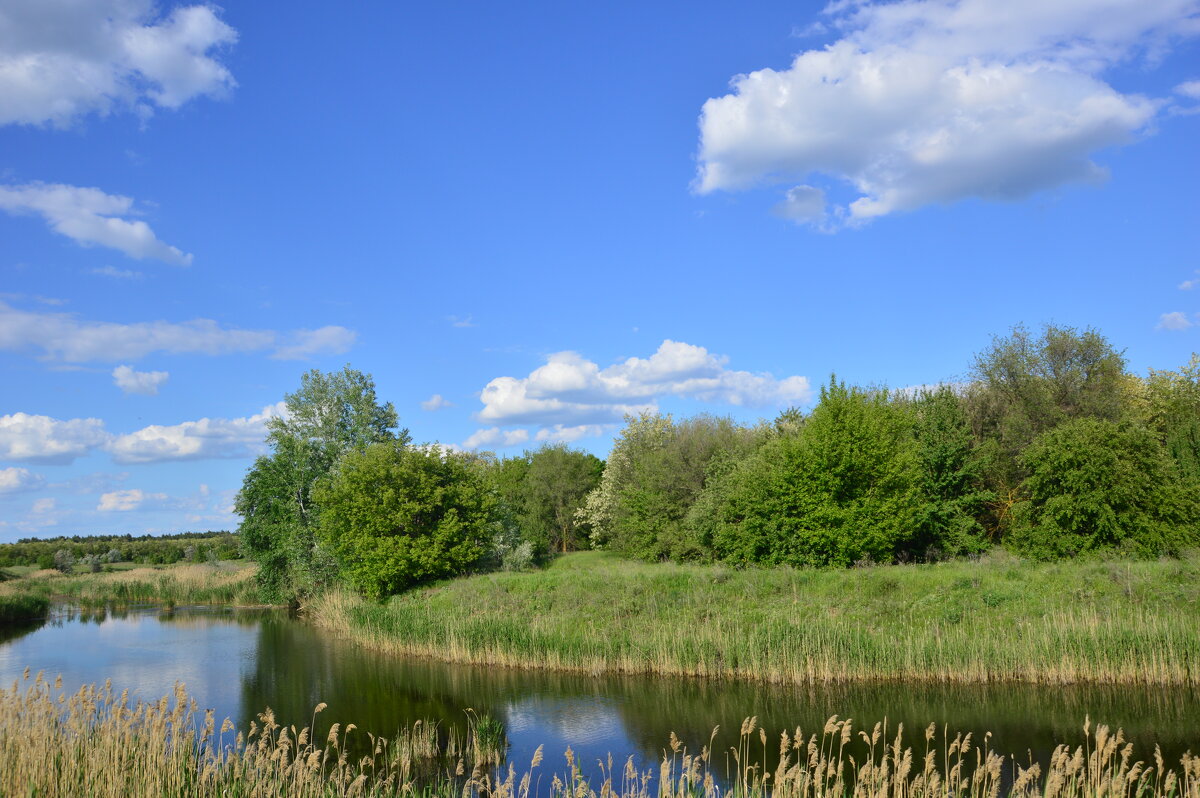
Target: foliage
<point x="394" y="515"/>
<point x="541" y="493"/>
<point x="655" y="472"/>
<point x="330" y="415"/>
<point x="146" y="549"/>
<point x="1173" y="399"/>
<point x="950" y="468"/>
<point x="1096" y="485"/>
<point x="840" y="490"/>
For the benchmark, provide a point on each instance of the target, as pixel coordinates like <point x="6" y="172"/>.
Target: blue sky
<point x="527" y="219"/>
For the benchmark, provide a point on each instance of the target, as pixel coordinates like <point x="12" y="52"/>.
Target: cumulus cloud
<point x="19" y="480"/>
<point x="1189" y="89"/>
<point x="1174" y="321"/>
<point x="207" y="438"/>
<point x="436" y="402"/>
<point x="803" y="205"/>
<point x="1188" y="285"/>
<point x="65" y="337"/>
<point x="570" y="390"/>
<point x="89" y="217"/>
<point x="496" y="438"/>
<point x="42" y="439"/>
<point x="933" y="101"/>
<point x="303" y="344"/>
<point x="141" y="382"/>
<point x="563" y="434"/>
<point x="61" y="59"/>
<point x="122" y="501"/>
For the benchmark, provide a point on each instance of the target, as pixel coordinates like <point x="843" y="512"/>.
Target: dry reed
<point x="95" y="742"/>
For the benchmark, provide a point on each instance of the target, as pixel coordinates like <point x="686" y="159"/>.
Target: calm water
<point x="238" y="662"/>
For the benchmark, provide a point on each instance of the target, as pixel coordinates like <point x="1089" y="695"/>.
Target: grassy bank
<point x="173" y="585"/>
<point x="999" y="619"/>
<point x="93" y="742"/>
<point x="19" y="608"/>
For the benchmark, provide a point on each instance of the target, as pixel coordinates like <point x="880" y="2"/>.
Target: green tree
<point x="951" y="476"/>
<point x="330" y="415"/>
<point x="655" y="472"/>
<point x="1096" y="485"/>
<point x="556" y="482"/>
<point x="1174" y="414"/>
<point x="394" y="516"/>
<point x="843" y="487"/>
<point x="1026" y="384"/>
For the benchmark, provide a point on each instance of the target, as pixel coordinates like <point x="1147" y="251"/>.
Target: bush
<point x="394" y="516"/>
<point x="1096" y="485"/>
<point x="841" y="489"/>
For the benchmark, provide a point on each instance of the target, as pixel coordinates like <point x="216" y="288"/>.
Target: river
<point x="238" y="662"/>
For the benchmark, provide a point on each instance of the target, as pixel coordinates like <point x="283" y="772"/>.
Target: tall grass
<point x="18" y="608"/>
<point x="171" y="585"/>
<point x="999" y="619"/>
<point x="96" y="743"/>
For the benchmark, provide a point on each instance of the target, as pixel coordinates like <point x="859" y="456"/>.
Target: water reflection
<point x="239" y="662"/>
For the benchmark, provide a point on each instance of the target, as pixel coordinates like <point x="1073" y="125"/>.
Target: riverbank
<point x="21" y="608"/>
<point x="998" y="619"/>
<point x="95" y="741"/>
<point x="227" y="583"/>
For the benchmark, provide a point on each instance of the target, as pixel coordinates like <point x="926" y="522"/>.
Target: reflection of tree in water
<point x="297" y="667"/>
<point x="18" y="629"/>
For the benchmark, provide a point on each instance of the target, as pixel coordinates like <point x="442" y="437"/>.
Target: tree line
<point x="99" y="550"/>
<point x="1050" y="447"/>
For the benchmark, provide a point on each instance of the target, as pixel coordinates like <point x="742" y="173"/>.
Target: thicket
<point x="1052" y="447"/>
<point x="107" y="549"/>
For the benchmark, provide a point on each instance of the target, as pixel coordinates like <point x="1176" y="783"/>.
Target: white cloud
<point x="61" y="59"/>
<point x="436" y="402"/>
<point x="122" y="501"/>
<point x="1174" y="321"/>
<point x="1188" y="285"/>
<point x="934" y="101"/>
<point x="461" y="321"/>
<point x="1189" y="89"/>
<point x="19" y="480"/>
<point x="141" y="382"/>
<point x="303" y="344"/>
<point x="562" y="434"/>
<point x="496" y="438"/>
<point x="803" y="205"/>
<point x="41" y="439"/>
<point x="90" y="217"/>
<point x="204" y="439"/>
<point x="65" y="337"/>
<point x="117" y="274"/>
<point x="570" y="390"/>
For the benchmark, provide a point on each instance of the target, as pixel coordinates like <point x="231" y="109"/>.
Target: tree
<point x="842" y="488"/>
<point x="655" y="472"/>
<point x="1094" y="485"/>
<point x="394" y="516"/>
<point x="556" y="482"/>
<point x="951" y="476"/>
<point x="1026" y="385"/>
<point x="330" y="415"/>
<point x="1173" y="399"/>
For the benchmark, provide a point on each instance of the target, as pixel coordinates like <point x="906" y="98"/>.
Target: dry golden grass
<point x="174" y="585"/>
<point x="96" y="743"/>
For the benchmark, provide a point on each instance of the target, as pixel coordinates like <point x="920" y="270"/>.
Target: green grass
<point x="173" y="585"/>
<point x="998" y="619"/>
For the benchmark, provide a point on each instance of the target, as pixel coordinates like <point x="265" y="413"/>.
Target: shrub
<point x="1095" y="485"/>
<point x="394" y="516"/>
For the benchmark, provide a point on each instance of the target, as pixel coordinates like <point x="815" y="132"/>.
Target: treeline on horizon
<point x="64" y="551"/>
<point x="1052" y="448"/>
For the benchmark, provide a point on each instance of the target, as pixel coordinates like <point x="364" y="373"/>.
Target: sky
<point x="527" y="220"/>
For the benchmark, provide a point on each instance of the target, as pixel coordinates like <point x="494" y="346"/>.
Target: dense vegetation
<point x="1051" y="449"/>
<point x="63" y="552"/>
